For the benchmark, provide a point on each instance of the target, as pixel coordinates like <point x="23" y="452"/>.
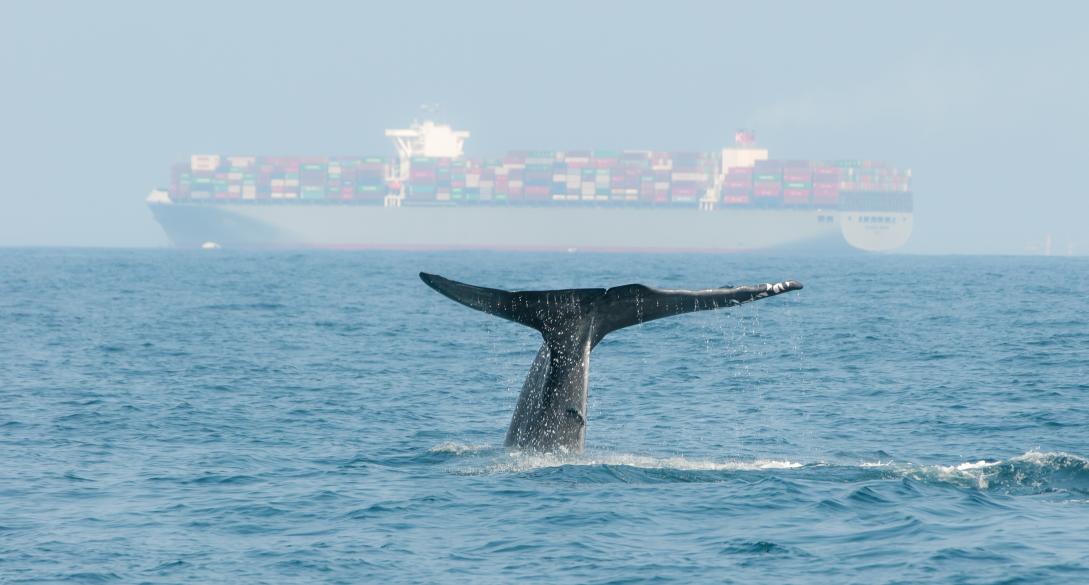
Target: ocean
<point x="324" y="417"/>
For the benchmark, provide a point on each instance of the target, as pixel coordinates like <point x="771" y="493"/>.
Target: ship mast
<point x="426" y="139"/>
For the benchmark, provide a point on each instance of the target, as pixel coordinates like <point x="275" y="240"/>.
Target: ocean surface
<point x="323" y="417"/>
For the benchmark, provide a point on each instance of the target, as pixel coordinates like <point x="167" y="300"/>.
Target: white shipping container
<point x="234" y="176"/>
<point x="573" y="183"/>
<point x="204" y="162"/>
<point x="277" y="195"/>
<point x="291" y="182"/>
<point x="587" y="188"/>
<point x="502" y="171"/>
<point x="515" y="184"/>
<point x="661" y="185"/>
<point x="241" y="162"/>
<point x="472" y="180"/>
<point x="679" y="176"/>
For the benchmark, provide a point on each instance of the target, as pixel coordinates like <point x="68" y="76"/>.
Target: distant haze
<point x="987" y="102"/>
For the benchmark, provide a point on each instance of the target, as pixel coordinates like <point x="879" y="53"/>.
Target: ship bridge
<point x="425" y="139"/>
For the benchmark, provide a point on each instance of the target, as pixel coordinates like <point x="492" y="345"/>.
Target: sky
<point x="986" y="102"/>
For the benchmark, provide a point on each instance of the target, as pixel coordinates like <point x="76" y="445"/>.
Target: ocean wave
<point x="1031" y="472"/>
<point x="522" y="462"/>
<point x="454" y="448"/>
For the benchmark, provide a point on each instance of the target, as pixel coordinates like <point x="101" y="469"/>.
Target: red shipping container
<point x="767" y="189"/>
<point x="736" y="199"/>
<point x="538" y="193"/>
<point x="796" y="196"/>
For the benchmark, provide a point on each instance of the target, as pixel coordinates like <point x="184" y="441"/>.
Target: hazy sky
<point x="987" y="102"/>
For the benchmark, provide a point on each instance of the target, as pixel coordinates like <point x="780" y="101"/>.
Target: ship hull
<point x="498" y="227"/>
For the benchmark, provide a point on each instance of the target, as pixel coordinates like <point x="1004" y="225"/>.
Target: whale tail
<point x="551" y="410"/>
<point x="551" y="311"/>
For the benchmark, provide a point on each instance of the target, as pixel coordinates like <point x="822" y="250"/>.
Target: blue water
<point x="172" y="416"/>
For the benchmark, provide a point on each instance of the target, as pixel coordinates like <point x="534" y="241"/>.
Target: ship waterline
<point x="524" y="227"/>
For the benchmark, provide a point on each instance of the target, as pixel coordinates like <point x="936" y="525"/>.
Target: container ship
<point x="430" y="196"/>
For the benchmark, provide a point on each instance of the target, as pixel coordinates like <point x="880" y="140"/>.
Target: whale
<point x="550" y="414"/>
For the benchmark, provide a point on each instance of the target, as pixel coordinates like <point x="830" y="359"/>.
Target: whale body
<point x="551" y="412"/>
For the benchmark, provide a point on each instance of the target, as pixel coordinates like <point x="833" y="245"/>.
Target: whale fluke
<point x="551" y="410"/>
<point x="530" y="308"/>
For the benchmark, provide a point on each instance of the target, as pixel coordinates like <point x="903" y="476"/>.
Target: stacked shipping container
<point x="633" y="177"/>
<point x="271" y="177"/>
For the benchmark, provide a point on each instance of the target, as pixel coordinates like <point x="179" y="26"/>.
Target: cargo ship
<point x="430" y="196"/>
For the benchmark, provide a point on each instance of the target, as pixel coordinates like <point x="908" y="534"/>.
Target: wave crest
<point x="454" y="448"/>
<point x="520" y="462"/>
<point x="1031" y="472"/>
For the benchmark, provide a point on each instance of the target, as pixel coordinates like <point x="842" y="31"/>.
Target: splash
<point x="454" y="448"/>
<point x="519" y="462"/>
